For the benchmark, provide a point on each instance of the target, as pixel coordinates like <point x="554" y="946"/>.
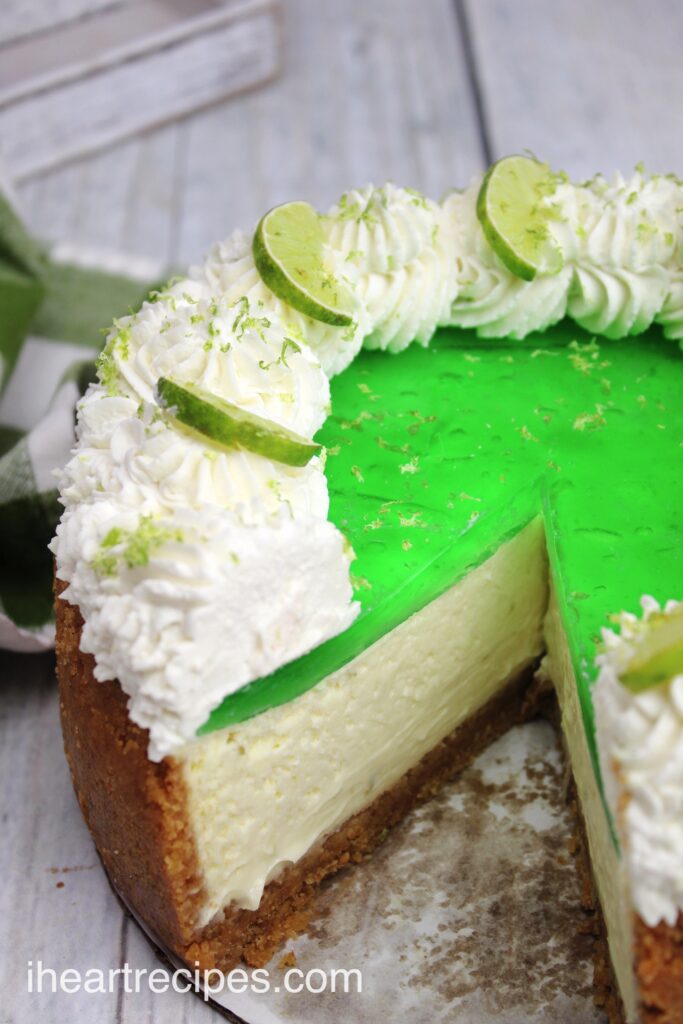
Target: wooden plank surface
<point x="58" y="904"/>
<point x="420" y="91"/>
<point x="586" y="85"/>
<point x="122" y="199"/>
<point x="19" y="18"/>
<point x="369" y="92"/>
<point x="68" y="94"/>
<point x="379" y="95"/>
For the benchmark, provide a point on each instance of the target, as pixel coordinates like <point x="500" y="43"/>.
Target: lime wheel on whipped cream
<point x="659" y="655"/>
<point x="288" y="249"/>
<point x="230" y="426"/>
<point x="514" y="215"/>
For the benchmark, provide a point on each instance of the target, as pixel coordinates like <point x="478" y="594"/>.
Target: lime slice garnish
<point x="515" y="219"/>
<point x="230" y="426"/>
<point x="660" y="652"/>
<point x="288" y="252"/>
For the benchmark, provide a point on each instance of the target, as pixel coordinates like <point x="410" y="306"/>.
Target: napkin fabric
<point x="54" y="307"/>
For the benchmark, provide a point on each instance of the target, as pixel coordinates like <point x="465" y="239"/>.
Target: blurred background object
<point x="78" y="75"/>
<point x="24" y="17"/>
<point x="424" y="92"/>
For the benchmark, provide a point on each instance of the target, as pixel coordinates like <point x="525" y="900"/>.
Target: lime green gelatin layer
<point x="436" y="456"/>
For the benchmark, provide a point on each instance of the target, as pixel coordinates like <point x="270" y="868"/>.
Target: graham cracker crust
<point x="659" y="969"/>
<point x="136" y="811"/>
<point x="657" y="952"/>
<point x="135" y="808"/>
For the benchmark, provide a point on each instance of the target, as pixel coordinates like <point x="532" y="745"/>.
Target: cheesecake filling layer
<point x="264" y="792"/>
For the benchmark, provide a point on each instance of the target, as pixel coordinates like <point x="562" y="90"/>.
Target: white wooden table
<point x="421" y="91"/>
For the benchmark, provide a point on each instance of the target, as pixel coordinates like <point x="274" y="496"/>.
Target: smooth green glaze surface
<point x="436" y="456"/>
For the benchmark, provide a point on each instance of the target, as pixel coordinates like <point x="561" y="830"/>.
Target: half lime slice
<point x="230" y="426"/>
<point x="288" y="252"/>
<point x="660" y="652"/>
<point x="514" y="216"/>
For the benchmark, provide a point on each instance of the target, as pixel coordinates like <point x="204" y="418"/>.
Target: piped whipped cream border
<point x="199" y="570"/>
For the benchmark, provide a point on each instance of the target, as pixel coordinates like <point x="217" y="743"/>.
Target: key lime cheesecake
<point x="343" y="502"/>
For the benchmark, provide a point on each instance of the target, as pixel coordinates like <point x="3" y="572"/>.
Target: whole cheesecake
<point x="269" y="651"/>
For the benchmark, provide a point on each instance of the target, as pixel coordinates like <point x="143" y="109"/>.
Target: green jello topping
<point x="586" y="433"/>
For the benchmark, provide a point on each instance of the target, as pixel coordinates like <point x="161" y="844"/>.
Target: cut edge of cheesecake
<point x="139" y="813"/>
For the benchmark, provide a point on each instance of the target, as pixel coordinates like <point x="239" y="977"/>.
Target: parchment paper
<point x="469" y="913"/>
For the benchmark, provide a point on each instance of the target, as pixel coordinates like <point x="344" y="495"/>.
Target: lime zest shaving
<point x="135" y="547"/>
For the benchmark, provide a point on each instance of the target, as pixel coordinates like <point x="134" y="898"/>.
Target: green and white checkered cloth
<point x="53" y="306"/>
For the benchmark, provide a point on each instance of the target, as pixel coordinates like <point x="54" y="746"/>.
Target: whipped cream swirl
<point x="231" y="350"/>
<point x="399" y="254"/>
<point x="185" y="609"/>
<point x="630" y="237"/>
<point x="489" y="297"/>
<point x="640" y="740"/>
<point x="230" y="271"/>
<point x="164" y="533"/>
<point x="622" y="243"/>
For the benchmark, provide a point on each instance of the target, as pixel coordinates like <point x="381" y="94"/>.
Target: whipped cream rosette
<point x="490" y="298"/>
<point x="230" y="271"/>
<point x="127" y="448"/>
<point x="399" y="253"/>
<point x="621" y="246"/>
<point x="164" y="607"/>
<point x="212" y="524"/>
<point x="630" y="238"/>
